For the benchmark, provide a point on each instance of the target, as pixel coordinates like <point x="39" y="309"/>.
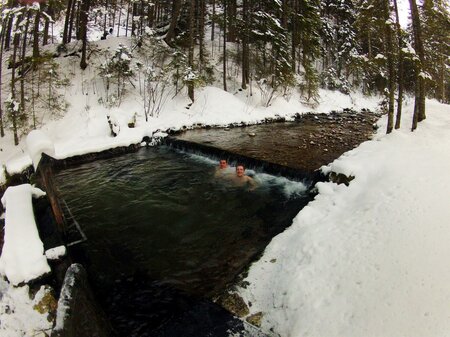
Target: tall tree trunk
<point x="176" y="9"/>
<point x="213" y="19"/>
<point x="13" y="84"/>
<point x="120" y="13"/>
<point x="141" y="19"/>
<point x="85" y="4"/>
<point x="46" y="27"/>
<point x="72" y="17"/>
<point x="294" y="34"/>
<point x="36" y="35"/>
<point x="128" y="17"/>
<point x="66" y="22"/>
<point x="225" y="45"/>
<point x="9" y="23"/>
<point x="390" y="61"/>
<point x="284" y="13"/>
<point x="133" y="22"/>
<point x="113" y="17"/>
<point x="27" y="14"/>
<point x="201" y="33"/>
<point x="245" y="51"/>
<point x="232" y="11"/>
<point x="151" y="14"/>
<point x="400" y="68"/>
<point x="2" y="40"/>
<point x="416" y="105"/>
<point x="105" y="15"/>
<point x="441" y="86"/>
<point x="191" y="48"/>
<point x="418" y="46"/>
<point x="77" y="22"/>
<point x="8" y="32"/>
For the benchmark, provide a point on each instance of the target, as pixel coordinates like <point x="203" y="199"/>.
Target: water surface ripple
<point x="162" y="216"/>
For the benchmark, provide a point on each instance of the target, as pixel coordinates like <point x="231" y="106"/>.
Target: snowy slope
<point x="370" y="259"/>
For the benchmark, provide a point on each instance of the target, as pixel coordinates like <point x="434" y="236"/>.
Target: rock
<point x="255" y="319"/>
<point x="48" y="304"/>
<point x="339" y="178"/>
<point x="234" y="304"/>
<point x="252" y="134"/>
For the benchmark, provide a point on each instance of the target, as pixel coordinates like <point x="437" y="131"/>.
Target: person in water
<point x="223" y="164"/>
<point x="222" y="170"/>
<point x="241" y="179"/>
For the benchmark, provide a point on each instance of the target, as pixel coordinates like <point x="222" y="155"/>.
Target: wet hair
<point x="240" y="164"/>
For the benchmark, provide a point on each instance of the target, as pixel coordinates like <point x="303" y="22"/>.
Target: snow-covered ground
<point x="18" y="315"/>
<point x="370" y="259"/>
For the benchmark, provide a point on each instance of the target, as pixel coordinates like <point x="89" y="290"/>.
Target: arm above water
<point x="251" y="183"/>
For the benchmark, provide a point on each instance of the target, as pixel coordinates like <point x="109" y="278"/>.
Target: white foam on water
<point x="290" y="187"/>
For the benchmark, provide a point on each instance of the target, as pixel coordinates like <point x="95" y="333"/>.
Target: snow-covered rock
<point x="22" y="258"/>
<point x="55" y="253"/>
<point x="37" y="144"/>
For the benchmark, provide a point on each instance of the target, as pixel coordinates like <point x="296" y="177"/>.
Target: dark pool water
<point x="162" y="230"/>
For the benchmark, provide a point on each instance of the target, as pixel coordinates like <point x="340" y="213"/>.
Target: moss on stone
<point x="234" y="304"/>
<point x="47" y="305"/>
<point x="255" y="319"/>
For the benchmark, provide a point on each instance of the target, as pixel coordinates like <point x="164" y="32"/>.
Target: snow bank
<point x="17" y="314"/>
<point x="22" y="258"/>
<point x="370" y="259"/>
<point x="37" y="144"/>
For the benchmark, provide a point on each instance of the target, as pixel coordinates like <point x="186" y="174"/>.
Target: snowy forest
<point x="276" y="47"/>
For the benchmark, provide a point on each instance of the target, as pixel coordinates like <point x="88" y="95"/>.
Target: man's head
<point x="240" y="170"/>
<point x="223" y="164"/>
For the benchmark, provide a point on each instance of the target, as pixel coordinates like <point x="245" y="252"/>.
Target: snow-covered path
<point x="370" y="259"/>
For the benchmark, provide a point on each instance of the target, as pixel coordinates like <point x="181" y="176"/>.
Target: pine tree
<point x="308" y="24"/>
<point x="436" y="37"/>
<point x="339" y="36"/>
